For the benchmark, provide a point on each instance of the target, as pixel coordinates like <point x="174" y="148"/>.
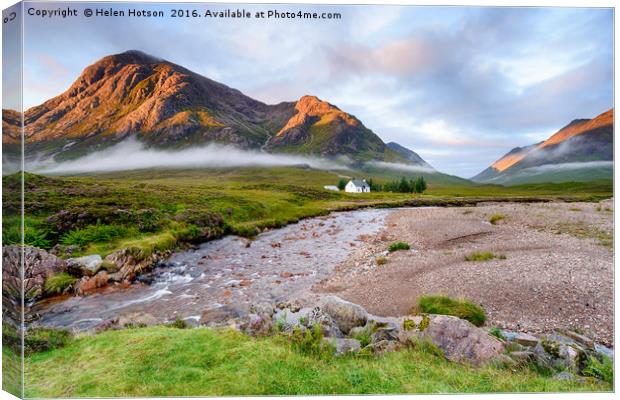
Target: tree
<point x="374" y="187"/>
<point x="404" y="186"/>
<point x="420" y="185"/>
<point x="342" y="183"/>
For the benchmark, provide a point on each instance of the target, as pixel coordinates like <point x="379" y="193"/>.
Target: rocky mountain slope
<point x="582" y="150"/>
<point x="167" y="106"/>
<point x="408" y="154"/>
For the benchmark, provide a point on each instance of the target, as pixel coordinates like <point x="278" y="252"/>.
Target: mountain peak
<point x="313" y="111"/>
<point x="133" y="57"/>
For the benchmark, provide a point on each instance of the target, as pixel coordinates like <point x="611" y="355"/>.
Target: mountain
<point x="165" y="105"/>
<point x="408" y="154"/>
<point x="162" y="103"/>
<point x="582" y="150"/>
<point x="319" y="127"/>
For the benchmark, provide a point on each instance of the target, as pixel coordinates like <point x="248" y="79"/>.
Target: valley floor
<point x="552" y="264"/>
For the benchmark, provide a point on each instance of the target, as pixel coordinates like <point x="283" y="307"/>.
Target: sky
<point x="461" y="86"/>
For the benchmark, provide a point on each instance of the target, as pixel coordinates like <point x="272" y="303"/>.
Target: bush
<point x="484" y="256"/>
<point x="94" y="234"/>
<point x="59" y="283"/>
<point x="364" y="337"/>
<point x="459" y="308"/>
<point x="398" y="246"/>
<point x="495" y="218"/>
<point x="602" y="370"/>
<point x="43" y="339"/>
<point x="310" y="341"/>
<point x="179" y="324"/>
<point x="33" y="236"/>
<point x="381" y="260"/>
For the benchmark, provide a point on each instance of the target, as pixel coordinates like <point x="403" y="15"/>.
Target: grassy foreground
<point x="163" y="361"/>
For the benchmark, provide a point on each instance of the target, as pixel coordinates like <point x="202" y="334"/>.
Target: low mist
<point x="571" y="166"/>
<point x="131" y="155"/>
<point x="401" y="167"/>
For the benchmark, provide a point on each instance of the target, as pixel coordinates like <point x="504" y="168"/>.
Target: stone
<point x="87" y="285"/>
<point x="38" y="266"/>
<point x="579" y="338"/>
<point x="345" y="314"/>
<point x="137" y="320"/>
<point x="525" y="339"/>
<point x="257" y="324"/>
<point x="522" y="357"/>
<point x="385" y="346"/>
<point x="130" y="264"/>
<point x="344" y="345"/>
<point x="262" y="308"/>
<point x="569" y="357"/>
<point x="568" y="376"/>
<point x="461" y="341"/>
<point x="89" y="265"/>
<point x="387" y="333"/>
<point x="221" y="316"/>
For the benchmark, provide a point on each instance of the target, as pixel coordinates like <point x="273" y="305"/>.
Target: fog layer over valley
<point x="131" y="154"/>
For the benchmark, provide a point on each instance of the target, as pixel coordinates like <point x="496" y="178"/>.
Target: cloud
<point x="131" y="155"/>
<point x="400" y="167"/>
<point x="497" y="77"/>
<point x="566" y="167"/>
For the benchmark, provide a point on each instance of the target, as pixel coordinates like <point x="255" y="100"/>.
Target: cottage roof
<point x="360" y="183"/>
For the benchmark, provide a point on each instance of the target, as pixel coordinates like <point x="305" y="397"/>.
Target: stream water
<point x="275" y="266"/>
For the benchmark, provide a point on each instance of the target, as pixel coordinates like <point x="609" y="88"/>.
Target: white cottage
<point x="357" y="186"/>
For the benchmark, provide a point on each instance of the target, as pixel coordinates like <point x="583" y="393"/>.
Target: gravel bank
<point x="558" y="270"/>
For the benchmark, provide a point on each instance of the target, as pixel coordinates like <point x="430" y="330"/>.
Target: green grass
<point x="59" y="283"/>
<point x="398" y="246"/>
<point x="160" y="361"/>
<point x="483" y="256"/>
<point x="495" y="218"/>
<point x="497" y="332"/>
<point x="447" y="306"/>
<point x="157" y="209"/>
<point x="603" y="370"/>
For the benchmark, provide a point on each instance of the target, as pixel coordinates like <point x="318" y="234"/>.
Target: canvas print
<point x="298" y="199"/>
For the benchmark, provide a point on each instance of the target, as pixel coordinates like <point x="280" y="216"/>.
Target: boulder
<point x="346" y="315"/>
<point x="579" y="338"/>
<point x="525" y="339"/>
<point x="221" y="316"/>
<point x="387" y="333"/>
<point x="38" y="266"/>
<point x="461" y="341"/>
<point x="88" y="265"/>
<point x="130" y="263"/>
<point x="89" y="284"/>
<point x="256" y="324"/>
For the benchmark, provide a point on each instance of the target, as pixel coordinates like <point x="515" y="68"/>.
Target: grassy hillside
<point x="162" y="361"/>
<point x="156" y="209"/>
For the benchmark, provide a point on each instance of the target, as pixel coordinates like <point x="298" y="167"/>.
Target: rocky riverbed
<point x="553" y="267"/>
<point x="225" y="274"/>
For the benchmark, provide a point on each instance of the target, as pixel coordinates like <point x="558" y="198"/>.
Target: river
<point x="277" y="265"/>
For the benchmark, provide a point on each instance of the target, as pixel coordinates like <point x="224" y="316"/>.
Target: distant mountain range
<point x="582" y="150"/>
<point x="165" y="105"/>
